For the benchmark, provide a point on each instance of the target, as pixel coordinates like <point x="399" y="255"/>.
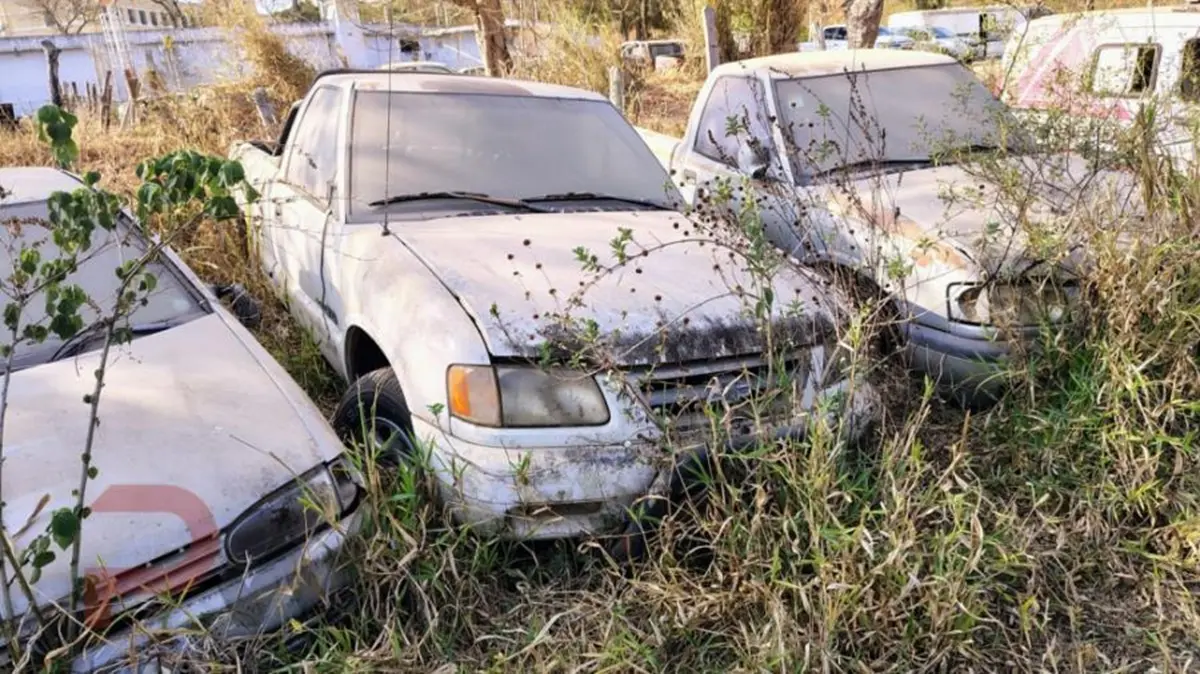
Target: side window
<point x="1189" y="72"/>
<point x="312" y="157"/>
<point x="734" y="116"/>
<point x="1124" y="70"/>
<point x="835" y="33"/>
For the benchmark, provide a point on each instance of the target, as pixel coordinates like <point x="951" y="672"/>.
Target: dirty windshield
<point x="506" y="147"/>
<point x="889" y="117"/>
<point x="26" y="223"/>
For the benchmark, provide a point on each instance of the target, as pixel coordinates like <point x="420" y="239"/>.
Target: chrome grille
<point x="728" y="392"/>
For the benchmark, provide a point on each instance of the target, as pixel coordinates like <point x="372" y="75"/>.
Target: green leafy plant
<point x="178" y="189"/>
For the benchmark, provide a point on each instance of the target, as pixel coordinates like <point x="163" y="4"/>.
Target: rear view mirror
<point x="752" y="159"/>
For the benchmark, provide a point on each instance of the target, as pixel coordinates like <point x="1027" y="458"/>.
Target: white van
<point x="1108" y="64"/>
<point x="986" y="29"/>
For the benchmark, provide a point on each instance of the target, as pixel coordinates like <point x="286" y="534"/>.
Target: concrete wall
<point x="196" y="56"/>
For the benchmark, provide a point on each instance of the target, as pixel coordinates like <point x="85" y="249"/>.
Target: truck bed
<point x="258" y="160"/>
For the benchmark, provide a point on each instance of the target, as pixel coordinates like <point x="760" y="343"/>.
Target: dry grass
<point x="1057" y="532"/>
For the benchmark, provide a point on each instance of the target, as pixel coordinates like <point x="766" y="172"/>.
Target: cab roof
<point x="818" y="63"/>
<point x="1163" y="17"/>
<point x="413" y="81"/>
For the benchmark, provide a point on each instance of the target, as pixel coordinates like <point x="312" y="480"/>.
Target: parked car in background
<point x="985" y="29"/>
<point x="647" y="52"/>
<point x="836" y="39"/>
<point x="938" y="38"/>
<point x="207" y="457"/>
<point x="428" y="247"/>
<point x="1105" y="66"/>
<point x="476" y="71"/>
<point x="419" y="67"/>
<point x="903" y="216"/>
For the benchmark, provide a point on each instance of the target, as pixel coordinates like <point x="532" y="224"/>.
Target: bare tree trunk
<point x="52" y="53"/>
<point x="725" y="42"/>
<point x="779" y="24"/>
<point x="492" y="36"/>
<point x="862" y="23"/>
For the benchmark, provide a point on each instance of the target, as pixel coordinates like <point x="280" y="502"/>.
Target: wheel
<point x="884" y="338"/>
<point x="687" y="487"/>
<point x="374" y="415"/>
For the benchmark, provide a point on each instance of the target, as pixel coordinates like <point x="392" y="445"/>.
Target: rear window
<point x="1189" y="72"/>
<point x="1124" y="70"/>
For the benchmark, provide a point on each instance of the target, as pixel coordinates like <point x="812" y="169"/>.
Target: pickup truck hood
<point x="195" y="427"/>
<point x="955" y="207"/>
<point x="513" y="274"/>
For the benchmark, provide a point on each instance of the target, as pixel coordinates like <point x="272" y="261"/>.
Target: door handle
<point x="278" y="209"/>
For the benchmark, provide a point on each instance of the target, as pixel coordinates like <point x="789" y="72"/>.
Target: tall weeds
<point x="1058" y="531"/>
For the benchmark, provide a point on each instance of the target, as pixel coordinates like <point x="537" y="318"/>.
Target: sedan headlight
<point x="292" y="513"/>
<point x="522" y="396"/>
<point x="1009" y="304"/>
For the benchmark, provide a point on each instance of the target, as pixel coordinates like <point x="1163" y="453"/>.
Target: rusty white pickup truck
<point x="862" y="160"/>
<point x="425" y="228"/>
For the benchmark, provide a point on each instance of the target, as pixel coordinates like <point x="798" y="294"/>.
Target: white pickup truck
<point x="856" y="160"/>
<point x="429" y="228"/>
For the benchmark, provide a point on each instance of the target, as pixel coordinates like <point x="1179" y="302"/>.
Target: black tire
<point x="687" y="487"/>
<point x="374" y="407"/>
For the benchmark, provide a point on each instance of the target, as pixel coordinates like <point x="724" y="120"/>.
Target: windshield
<point x="27" y="223"/>
<point x="512" y="147"/>
<point x="849" y="119"/>
<point x="672" y="49"/>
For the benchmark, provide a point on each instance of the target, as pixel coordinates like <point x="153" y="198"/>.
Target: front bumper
<point x="289" y="587"/>
<point x="966" y="362"/>
<point x="562" y="492"/>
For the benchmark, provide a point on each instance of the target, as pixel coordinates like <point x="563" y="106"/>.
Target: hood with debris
<point x="197" y="424"/>
<point x="967" y="220"/>
<point x="680" y="295"/>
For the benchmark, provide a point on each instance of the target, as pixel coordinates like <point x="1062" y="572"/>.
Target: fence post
<point x="712" y="53"/>
<point x="266" y="111"/>
<point x="106" y="96"/>
<point x="616" y="88"/>
<point x="52" y="52"/>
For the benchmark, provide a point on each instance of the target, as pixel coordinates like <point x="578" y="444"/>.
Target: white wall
<point x="199" y="56"/>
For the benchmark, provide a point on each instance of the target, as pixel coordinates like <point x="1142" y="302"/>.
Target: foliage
<point x="76" y="219"/>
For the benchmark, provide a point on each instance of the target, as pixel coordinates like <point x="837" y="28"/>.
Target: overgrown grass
<point x="1058" y="531"/>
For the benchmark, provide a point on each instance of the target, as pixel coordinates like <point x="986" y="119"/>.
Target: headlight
<point x="1009" y="305"/>
<point x="292" y="513"/>
<point x="522" y="396"/>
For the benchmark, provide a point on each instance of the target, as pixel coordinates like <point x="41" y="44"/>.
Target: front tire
<point x="374" y="416"/>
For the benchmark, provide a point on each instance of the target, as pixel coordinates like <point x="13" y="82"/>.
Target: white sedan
<point x="205" y="450"/>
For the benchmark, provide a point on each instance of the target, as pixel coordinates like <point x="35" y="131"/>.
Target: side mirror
<point x="752" y="160"/>
<point x="241" y="303"/>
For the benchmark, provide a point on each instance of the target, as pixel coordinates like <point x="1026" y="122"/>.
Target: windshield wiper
<point x="868" y="163"/>
<point x="595" y="196"/>
<point x="75" y="344"/>
<point x="471" y="196"/>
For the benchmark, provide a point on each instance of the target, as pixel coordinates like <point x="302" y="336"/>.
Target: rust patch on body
<point x="925" y="250"/>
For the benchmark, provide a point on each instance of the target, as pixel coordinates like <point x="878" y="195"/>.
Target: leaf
<point x="64" y="527"/>
<point x="232" y="173"/>
<point x="37" y="510"/>
<point x="43" y="559"/>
